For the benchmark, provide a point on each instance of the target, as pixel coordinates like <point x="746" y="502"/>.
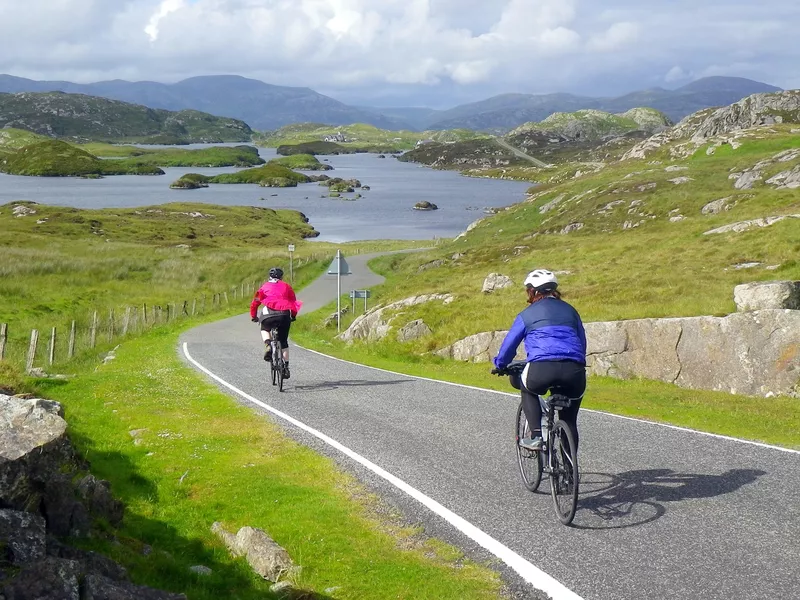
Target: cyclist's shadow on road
<point x="636" y="497"/>
<point x="325" y="386"/>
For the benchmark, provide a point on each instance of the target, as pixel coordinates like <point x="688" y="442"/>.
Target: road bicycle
<point x="278" y="365"/>
<point x="558" y="456"/>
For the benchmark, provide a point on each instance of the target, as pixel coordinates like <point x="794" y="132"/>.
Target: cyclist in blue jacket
<point x="555" y="343"/>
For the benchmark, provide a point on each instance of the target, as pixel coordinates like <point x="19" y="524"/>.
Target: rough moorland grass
<point x="54" y="158"/>
<point x="262" y="174"/>
<point x="303" y="162"/>
<point x="215" y="156"/>
<point x="200" y="458"/>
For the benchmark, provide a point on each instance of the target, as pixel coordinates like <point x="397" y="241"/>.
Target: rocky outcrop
<point x="481" y="347"/>
<point x="263" y="555"/>
<point x="376" y="325"/>
<point x="767" y="295"/>
<point x="753" y="353"/>
<point x="496" y="281"/>
<point x="425" y="205"/>
<point x="45" y="494"/>
<point x="742" y="226"/>
<point x="413" y="331"/>
<point x="759" y="109"/>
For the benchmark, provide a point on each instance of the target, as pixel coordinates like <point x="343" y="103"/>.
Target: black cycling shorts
<point x="283" y="322"/>
<point x="562" y="376"/>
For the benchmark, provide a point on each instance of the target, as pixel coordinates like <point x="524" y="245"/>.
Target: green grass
<point x="303" y="162"/>
<point x="265" y="174"/>
<point x="55" y="158"/>
<point x="217" y="156"/>
<point x="237" y="468"/>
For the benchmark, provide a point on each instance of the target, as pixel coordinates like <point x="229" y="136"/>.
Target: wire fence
<point x="62" y="340"/>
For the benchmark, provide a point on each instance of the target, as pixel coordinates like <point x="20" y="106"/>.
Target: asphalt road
<point x="663" y="512"/>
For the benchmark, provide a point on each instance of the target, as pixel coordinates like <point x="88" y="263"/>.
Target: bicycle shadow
<point x="346" y="383"/>
<point x="636" y="498"/>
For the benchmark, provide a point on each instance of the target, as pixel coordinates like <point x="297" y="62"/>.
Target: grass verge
<point x="197" y="458"/>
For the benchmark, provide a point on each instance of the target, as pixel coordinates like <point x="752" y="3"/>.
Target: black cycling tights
<point x="564" y="377"/>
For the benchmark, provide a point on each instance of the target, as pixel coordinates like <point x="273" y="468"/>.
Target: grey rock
<point x="746" y="180"/>
<point x="432" y="265"/>
<point x="282" y="587"/>
<point x="263" y="555"/>
<point x="717" y="206"/>
<point x="496" y="281"/>
<point x="572" y="227"/>
<point x="766" y="295"/>
<point x="49" y="579"/>
<point x="201" y="570"/>
<point x="413" y="331"/>
<point x="552" y="204"/>
<point x="376" y="324"/>
<point x="90" y="562"/>
<point x="681" y="180"/>
<point x="742" y="226"/>
<point x="747" y="265"/>
<point x="97" y="494"/>
<point x="23" y="536"/>
<point x="786" y="180"/>
<point x="481" y="347"/>
<point x="331" y="320"/>
<point x="97" y="587"/>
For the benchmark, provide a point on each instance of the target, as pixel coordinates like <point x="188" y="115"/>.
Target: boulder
<point x="746" y="180"/>
<point x="742" y="226"/>
<point x="375" y="325"/>
<point x="49" y="579"/>
<point x="717" y="206"/>
<point x="22" y="534"/>
<point x="765" y="295"/>
<point x="496" y="281"/>
<point x="413" y="331"/>
<point x="97" y="495"/>
<point x="425" y="205"/>
<point x="481" y="347"/>
<point x="263" y="555"/>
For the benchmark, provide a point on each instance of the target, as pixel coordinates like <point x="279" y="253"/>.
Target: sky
<point x="435" y="53"/>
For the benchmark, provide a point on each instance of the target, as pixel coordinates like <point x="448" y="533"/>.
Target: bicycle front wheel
<point x="530" y="462"/>
<point x="279" y="371"/>
<point x="564" y="473"/>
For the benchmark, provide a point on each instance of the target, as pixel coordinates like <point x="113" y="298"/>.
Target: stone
<point x="676" y="218"/>
<point x="97" y="494"/>
<point x="201" y="570"/>
<point x="331" y="320"/>
<point x="786" y="180"/>
<point x="49" y="579"/>
<point x="496" y="281"/>
<point x="681" y="180"/>
<point x="572" y="227"/>
<point x="434" y="264"/>
<point x="376" y="325"/>
<point x="717" y="206"/>
<point x="413" y="331"/>
<point x="425" y="205"/>
<point x="90" y="562"/>
<point x="747" y="265"/>
<point x="746" y="180"/>
<point x="742" y="226"/>
<point x="764" y="295"/>
<point x="675" y="168"/>
<point x="22" y="534"/>
<point x="97" y="587"/>
<point x="263" y="555"/>
<point x="481" y="347"/>
<point x="552" y="204"/>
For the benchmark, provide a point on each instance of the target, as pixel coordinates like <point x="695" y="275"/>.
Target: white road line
<point x="599" y="412"/>
<point x="530" y="573"/>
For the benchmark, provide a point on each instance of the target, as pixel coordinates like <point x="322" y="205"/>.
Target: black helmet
<point x="276" y="273"/>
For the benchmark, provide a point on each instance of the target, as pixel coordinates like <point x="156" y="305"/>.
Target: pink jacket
<point x="277" y="296"/>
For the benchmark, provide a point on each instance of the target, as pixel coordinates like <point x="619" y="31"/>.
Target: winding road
<point x="663" y="512"/>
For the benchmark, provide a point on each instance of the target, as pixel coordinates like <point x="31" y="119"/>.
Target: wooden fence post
<point x="204" y="304"/>
<point x="127" y="321"/>
<point x="186" y="308"/>
<point x="194" y="306"/>
<point x="52" y="350"/>
<point x="32" y="350"/>
<point x="3" y="340"/>
<point x="93" y="332"/>
<point x="225" y="294"/>
<point x="144" y="315"/>
<point x="134" y="319"/>
<point x="71" y="348"/>
<point x="110" y="324"/>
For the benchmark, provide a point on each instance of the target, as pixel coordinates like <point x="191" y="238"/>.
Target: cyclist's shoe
<point x="286" y="373"/>
<point x="536" y="443"/>
<point x="268" y="355"/>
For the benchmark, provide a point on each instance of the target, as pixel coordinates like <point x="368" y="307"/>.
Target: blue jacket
<point x="552" y="330"/>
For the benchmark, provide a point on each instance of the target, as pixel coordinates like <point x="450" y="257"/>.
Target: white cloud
<point x="676" y="74"/>
<point x="164" y="9"/>
<point x="615" y="37"/>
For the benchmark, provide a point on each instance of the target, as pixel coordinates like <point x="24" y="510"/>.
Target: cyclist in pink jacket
<point x="279" y="307"/>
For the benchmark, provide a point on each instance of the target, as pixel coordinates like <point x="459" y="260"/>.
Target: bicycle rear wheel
<point x="280" y="371"/>
<point x="564" y="473"/>
<point x="276" y="355"/>
<point x="530" y="462"/>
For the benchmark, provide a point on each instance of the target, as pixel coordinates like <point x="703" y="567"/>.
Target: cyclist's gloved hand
<point x="294" y="318"/>
<point x="254" y="319"/>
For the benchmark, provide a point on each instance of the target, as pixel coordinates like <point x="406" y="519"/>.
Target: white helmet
<point x="541" y="280"/>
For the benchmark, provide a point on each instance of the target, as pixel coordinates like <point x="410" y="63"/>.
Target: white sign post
<point x="291" y="263"/>
<point x="340" y="267"/>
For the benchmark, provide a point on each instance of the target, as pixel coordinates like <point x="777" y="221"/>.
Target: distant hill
<point x="261" y="105"/>
<point x="81" y="117"/>
<point x="512" y="110"/>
